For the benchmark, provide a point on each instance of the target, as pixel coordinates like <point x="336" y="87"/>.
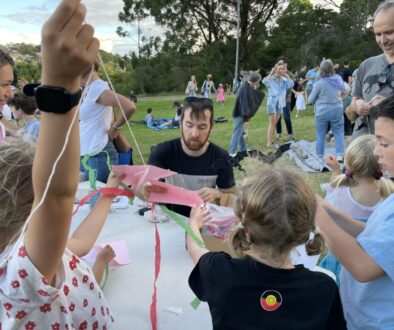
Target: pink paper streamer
<point x="122" y="255"/>
<point x="175" y="195"/>
<point x="138" y="174"/>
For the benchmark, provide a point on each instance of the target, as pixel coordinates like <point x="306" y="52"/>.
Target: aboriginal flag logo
<point x="271" y="300"/>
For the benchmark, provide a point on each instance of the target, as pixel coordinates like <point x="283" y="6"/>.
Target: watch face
<point x="55" y="99"/>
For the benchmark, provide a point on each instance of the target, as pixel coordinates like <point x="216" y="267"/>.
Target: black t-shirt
<point x="244" y="294"/>
<point x="212" y="169"/>
<point x="345" y="74"/>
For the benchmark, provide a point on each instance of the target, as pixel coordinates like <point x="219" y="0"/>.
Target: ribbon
<point x="153" y="306"/>
<point x="108" y="191"/>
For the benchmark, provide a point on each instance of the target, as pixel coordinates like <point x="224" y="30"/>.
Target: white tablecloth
<point x="129" y="288"/>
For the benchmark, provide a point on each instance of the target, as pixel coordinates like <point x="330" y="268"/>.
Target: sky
<point x="21" y="21"/>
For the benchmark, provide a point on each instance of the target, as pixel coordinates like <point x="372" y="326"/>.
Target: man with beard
<point x="375" y="76"/>
<point x="200" y="165"/>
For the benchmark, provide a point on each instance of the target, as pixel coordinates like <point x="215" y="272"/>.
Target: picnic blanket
<point x="163" y="123"/>
<point x="304" y="155"/>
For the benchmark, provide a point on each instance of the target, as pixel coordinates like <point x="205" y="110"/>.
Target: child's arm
<point x="334" y="165"/>
<point x="341" y="231"/>
<point x="68" y="49"/>
<point x="84" y="237"/>
<point x="198" y="216"/>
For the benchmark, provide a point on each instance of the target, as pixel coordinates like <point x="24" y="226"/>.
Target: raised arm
<point x="68" y="49"/>
<point x="84" y="237"/>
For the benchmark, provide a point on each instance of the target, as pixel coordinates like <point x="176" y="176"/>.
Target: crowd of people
<point x="45" y="284"/>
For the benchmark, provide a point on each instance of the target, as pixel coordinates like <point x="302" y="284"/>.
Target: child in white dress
<point x="300" y="99"/>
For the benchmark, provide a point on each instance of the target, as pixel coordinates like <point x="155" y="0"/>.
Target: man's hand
<point x="209" y="195"/>
<point x="68" y="47"/>
<point x="362" y="107"/>
<point x="376" y="100"/>
<point x="149" y="187"/>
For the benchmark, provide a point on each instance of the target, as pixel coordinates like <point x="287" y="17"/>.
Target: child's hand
<point x="199" y="215"/>
<point x="333" y="163"/>
<point x="68" y="47"/>
<point x="149" y="187"/>
<point x="113" y="180"/>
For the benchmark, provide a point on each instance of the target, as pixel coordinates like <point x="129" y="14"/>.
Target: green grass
<point x="303" y="128"/>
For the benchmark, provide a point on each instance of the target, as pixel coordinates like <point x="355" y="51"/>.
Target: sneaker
<point x="340" y="159"/>
<point x="290" y="138"/>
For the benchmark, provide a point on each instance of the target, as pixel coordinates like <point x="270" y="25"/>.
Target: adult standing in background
<point x="207" y="86"/>
<point x="346" y="73"/>
<point x="191" y="88"/>
<point x="311" y="76"/>
<point x="97" y="129"/>
<point x="328" y="108"/>
<point x="375" y="76"/>
<point x="287" y="108"/>
<point x="277" y="83"/>
<point x="248" y="101"/>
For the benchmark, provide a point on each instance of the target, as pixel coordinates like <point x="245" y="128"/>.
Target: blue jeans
<point x="287" y="118"/>
<point x="99" y="162"/>
<point x="334" y="118"/>
<point x="237" y="138"/>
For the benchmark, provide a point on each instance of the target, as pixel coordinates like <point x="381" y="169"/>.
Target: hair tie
<point x="313" y="233"/>
<point x="348" y="174"/>
<point x="377" y="175"/>
<point x="241" y="225"/>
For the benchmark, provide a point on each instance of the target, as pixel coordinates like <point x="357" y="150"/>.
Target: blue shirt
<point x="312" y="76"/>
<point x="277" y="90"/>
<point x="325" y="94"/>
<point x="370" y="305"/>
<point x="31" y="130"/>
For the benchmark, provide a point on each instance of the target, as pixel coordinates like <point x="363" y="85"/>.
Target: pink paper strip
<point x="175" y="195"/>
<point x="138" y="174"/>
<point x="122" y="255"/>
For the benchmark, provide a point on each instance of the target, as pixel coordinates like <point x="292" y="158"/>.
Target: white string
<point x="121" y="108"/>
<point x="53" y="171"/>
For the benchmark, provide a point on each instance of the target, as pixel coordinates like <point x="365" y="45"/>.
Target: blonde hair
<point x="276" y="209"/>
<point x="16" y="188"/>
<point x="361" y="163"/>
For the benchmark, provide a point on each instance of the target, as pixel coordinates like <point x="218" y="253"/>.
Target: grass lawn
<point x="303" y="128"/>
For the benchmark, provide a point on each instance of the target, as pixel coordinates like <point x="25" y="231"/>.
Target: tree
<point x="191" y="25"/>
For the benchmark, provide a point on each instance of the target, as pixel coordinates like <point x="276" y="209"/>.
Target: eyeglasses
<point x="203" y="100"/>
<point x="384" y="78"/>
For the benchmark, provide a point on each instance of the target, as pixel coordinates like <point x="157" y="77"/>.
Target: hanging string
<point x="53" y="171"/>
<point x="121" y="108"/>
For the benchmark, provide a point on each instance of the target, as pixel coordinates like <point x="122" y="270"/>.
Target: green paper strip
<point x="91" y="171"/>
<point x="195" y="303"/>
<point x="106" y="273"/>
<point x="179" y="220"/>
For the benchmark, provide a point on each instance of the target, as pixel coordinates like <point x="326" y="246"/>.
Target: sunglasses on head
<point x="202" y="100"/>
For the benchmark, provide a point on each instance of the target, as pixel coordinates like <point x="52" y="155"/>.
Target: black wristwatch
<point x="55" y="99"/>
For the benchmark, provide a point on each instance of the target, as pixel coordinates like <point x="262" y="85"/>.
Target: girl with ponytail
<point x="261" y="288"/>
<point x="359" y="190"/>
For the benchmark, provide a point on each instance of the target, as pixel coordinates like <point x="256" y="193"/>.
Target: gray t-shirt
<point x="375" y="76"/>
